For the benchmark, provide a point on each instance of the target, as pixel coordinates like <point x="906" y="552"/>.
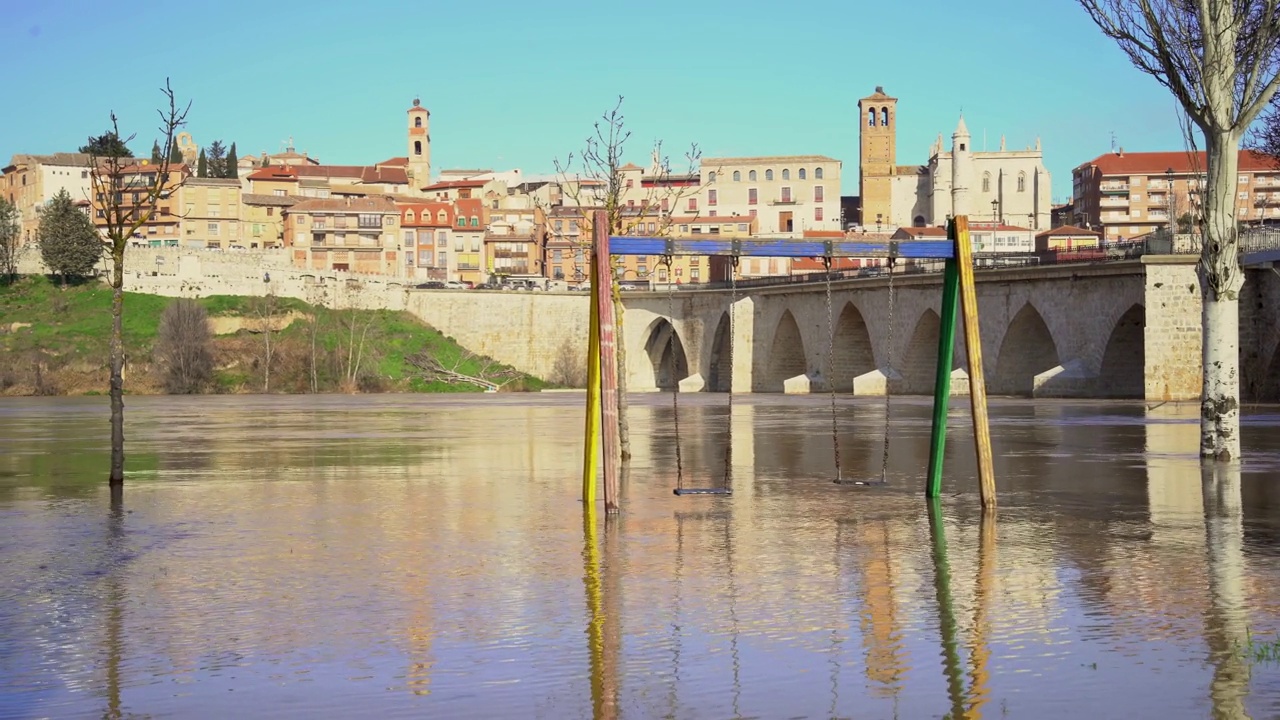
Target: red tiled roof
<point x="355" y="205"/>
<point x="432" y="210"/>
<point x="281" y="173"/>
<point x="1068" y="231"/>
<point x="922" y="232"/>
<point x="823" y="234"/>
<point x="1181" y="161"/>
<point x="449" y="184"/>
<point x="996" y="226"/>
<point x="707" y="219"/>
<point x="393" y="162"/>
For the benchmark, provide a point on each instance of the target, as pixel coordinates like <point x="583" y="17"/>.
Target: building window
<point x="802" y="173"/>
<point x="442" y="238"/>
<point x="302" y="219"/>
<point x="817" y="214"/>
<point x="817" y="173"/>
<point x="417" y="121"/>
<point x="884" y="117"/>
<point x="737" y="176"/>
<point x="751" y="176"/>
<point x="368" y="220"/>
<point x="752" y="197"/>
<point x="408" y="216"/>
<point x="786" y="174"/>
<point x="441" y="217"/>
<point x="213" y="228"/>
<point x="653" y="227"/>
<point x="1022" y="182"/>
<point x="271" y="212"/>
<point x="417" y="147"/>
<point x="408" y="238"/>
<point x="475" y="221"/>
<point x="871" y="117"/>
<point x="711" y="213"/>
<point x="693" y="204"/>
<point x="752" y="213"/>
<point x="665" y="204"/>
<point x="786" y="194"/>
<point x="742" y="227"/>
<point x="462" y="222"/>
<point x="711" y="176"/>
<point x="768" y="174"/>
<point x="817" y="193"/>
<point x="711" y="197"/>
<point x="986" y="182"/>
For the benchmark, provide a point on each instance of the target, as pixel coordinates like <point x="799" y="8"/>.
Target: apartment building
<point x="350" y="234"/>
<point x="210" y="213"/>
<point x="515" y="242"/>
<point x="1125" y="195"/>
<point x="425" y="236"/>
<point x="30" y="181"/>
<point x="262" y="219"/>
<point x="787" y="194"/>
<point x="161" y="228"/>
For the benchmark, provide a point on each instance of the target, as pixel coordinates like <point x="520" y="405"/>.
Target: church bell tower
<point x="419" y="138"/>
<point x="877" y="157"/>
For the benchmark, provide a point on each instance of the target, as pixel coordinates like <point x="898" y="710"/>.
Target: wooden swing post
<point x="973" y="347"/>
<point x="602" y="294"/>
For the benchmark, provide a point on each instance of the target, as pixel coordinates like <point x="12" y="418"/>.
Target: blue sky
<point x="512" y="83"/>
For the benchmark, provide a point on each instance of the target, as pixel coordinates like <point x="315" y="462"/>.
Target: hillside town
<point x="470" y="228"/>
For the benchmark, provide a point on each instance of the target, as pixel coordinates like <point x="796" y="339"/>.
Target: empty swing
<point x="831" y="342"/>
<point x="726" y="484"/>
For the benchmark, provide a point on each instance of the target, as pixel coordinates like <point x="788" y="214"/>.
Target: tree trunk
<point x="624" y="430"/>
<point x="1223" y="277"/>
<point x="116" y="479"/>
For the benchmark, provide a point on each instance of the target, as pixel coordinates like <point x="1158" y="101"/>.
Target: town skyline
<point x="348" y="110"/>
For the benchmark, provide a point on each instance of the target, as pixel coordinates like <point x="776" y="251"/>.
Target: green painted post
<point x="942" y="383"/>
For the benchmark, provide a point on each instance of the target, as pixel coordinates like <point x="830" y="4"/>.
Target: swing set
<point x="958" y="289"/>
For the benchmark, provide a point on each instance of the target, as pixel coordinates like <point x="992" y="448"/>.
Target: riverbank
<point x="54" y="341"/>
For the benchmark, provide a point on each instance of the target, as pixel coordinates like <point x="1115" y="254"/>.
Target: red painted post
<point x="602" y="296"/>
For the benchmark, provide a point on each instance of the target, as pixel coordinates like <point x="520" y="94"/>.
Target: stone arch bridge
<point x="1126" y="329"/>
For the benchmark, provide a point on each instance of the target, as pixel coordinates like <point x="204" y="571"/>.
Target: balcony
<point x="1113" y="188"/>
<point x="1266" y="200"/>
<point x="785" y="201"/>
<point x="1114" y="202"/>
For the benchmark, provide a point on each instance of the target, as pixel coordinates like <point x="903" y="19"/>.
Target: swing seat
<point x="860" y="483"/>
<point x="702" y="491"/>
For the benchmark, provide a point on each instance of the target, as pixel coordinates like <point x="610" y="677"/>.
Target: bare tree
<point x="1219" y="58"/>
<point x="266" y="309"/>
<point x="569" y="368"/>
<point x="594" y="179"/>
<point x="184" y="348"/>
<point x="9" y="235"/>
<point x="128" y="197"/>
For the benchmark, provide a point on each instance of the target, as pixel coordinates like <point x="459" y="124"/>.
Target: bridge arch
<point x="851" y="348"/>
<point x="1027" y="350"/>
<point x="786" y="355"/>
<point x="919" y="363"/>
<point x="720" y="370"/>
<point x="666" y="355"/>
<point x="1123" y="372"/>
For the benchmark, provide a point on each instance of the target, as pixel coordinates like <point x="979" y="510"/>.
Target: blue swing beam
<point x="780" y="247"/>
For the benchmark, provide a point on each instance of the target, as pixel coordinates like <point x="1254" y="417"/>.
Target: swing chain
<point x="671" y="369"/>
<point x="733" y="318"/>
<point x="831" y="365"/>
<point x="884" y="455"/>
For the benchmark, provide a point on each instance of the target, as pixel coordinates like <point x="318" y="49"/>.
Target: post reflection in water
<point x="411" y="557"/>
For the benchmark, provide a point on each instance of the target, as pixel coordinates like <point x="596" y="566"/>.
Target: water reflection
<point x="429" y="556"/>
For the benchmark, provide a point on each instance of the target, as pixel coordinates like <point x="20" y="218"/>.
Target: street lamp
<point x="994" y="217"/>
<point x="1172" y="201"/>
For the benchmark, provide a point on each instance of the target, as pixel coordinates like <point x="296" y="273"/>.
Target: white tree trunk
<point x="1223" y="277"/>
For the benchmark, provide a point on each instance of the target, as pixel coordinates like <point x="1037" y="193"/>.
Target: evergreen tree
<point x="232" y="161"/>
<point x="266" y="161"/>
<point x="217" y="159"/>
<point x="69" y="243"/>
<point x="202" y="165"/>
<point x="108" y="144"/>
<point x="156" y="157"/>
<point x="175" y="153"/>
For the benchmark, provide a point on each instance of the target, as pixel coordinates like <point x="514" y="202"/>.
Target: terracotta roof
<point x="1068" y="231"/>
<point x="879" y="95"/>
<point x="1181" y="161"/>
<point x="449" y="184"/>
<point x="364" y="173"/>
<point x="366" y="204"/>
<point x="823" y="234"/>
<point x="393" y="162"/>
<point x="432" y="209"/>
<point x="149" y="166"/>
<point x="922" y="232"/>
<point x="707" y="219"/>
<point x="417" y="107"/>
<point x="276" y="172"/>
<point x="272" y="200"/>
<point x="981" y="226"/>
<point x="631" y="166"/>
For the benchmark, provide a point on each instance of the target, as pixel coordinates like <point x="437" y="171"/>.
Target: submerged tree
<point x="69" y="244"/>
<point x="1219" y="58"/>
<point x="593" y="180"/>
<point x="129" y="197"/>
<point x="184" y="348"/>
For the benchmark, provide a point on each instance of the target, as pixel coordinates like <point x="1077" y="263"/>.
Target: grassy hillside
<point x="55" y="341"/>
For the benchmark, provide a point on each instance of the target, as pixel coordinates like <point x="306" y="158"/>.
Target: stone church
<point x="1006" y="186"/>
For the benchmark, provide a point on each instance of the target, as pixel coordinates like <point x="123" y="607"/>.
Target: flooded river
<point x="396" y="556"/>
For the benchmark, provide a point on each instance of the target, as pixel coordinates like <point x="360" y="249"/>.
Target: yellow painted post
<point x="973" y="347"/>
<point x="591" y="440"/>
